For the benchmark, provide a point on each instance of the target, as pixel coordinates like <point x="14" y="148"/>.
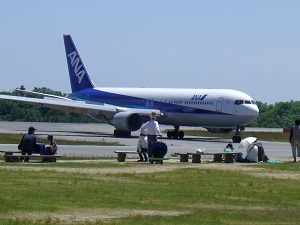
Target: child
<point x="52" y="147"/>
<point x="229" y="148"/>
<point x="142" y="148"/>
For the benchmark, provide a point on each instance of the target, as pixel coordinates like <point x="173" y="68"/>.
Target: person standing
<point x="151" y="128"/>
<point x="28" y="143"/>
<point x="142" y="148"/>
<point x="295" y="139"/>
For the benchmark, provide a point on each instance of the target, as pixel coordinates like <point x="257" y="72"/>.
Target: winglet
<point x="79" y="76"/>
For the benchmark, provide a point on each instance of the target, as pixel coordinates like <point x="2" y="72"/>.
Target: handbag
<point x="20" y="145"/>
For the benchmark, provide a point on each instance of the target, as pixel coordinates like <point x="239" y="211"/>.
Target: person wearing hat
<point x="28" y="143"/>
<point x="151" y="128"/>
<point x="229" y="148"/>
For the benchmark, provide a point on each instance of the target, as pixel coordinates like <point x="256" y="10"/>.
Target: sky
<point x="249" y="45"/>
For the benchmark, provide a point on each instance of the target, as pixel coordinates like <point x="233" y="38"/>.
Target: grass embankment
<point x="262" y="136"/>
<point x="7" y="138"/>
<point x="103" y="192"/>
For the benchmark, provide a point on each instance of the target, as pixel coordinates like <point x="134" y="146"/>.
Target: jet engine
<point x="220" y="130"/>
<point x="127" y="121"/>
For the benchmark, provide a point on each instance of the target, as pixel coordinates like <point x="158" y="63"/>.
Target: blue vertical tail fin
<point x="79" y="76"/>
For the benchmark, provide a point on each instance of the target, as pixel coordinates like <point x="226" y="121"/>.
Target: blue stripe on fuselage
<point x="101" y="97"/>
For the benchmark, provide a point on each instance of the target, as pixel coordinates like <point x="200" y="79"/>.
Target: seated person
<point x="52" y="147"/>
<point x="256" y="152"/>
<point x="252" y="153"/>
<point x="229" y="148"/>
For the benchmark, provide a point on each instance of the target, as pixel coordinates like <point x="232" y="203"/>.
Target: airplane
<point x="217" y="110"/>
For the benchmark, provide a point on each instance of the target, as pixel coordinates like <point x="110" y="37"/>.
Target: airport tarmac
<point x="104" y="132"/>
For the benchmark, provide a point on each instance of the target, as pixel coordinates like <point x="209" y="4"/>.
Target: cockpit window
<point x="240" y="102"/>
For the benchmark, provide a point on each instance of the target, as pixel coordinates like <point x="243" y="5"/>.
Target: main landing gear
<point x="175" y="133"/>
<point x="237" y="137"/>
<point x="122" y="134"/>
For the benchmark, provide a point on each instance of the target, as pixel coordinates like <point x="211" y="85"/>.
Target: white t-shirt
<point x="150" y="128"/>
<point x="252" y="153"/>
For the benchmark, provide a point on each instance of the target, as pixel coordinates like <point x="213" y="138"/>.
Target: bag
<point x="20" y="145"/>
<point x="159" y="149"/>
<point x="264" y="158"/>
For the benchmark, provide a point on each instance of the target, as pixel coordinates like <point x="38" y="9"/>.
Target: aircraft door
<point x="219" y="104"/>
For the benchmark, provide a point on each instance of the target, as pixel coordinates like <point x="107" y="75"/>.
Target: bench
<point x="122" y="155"/>
<point x="16" y="158"/>
<point x="9" y="156"/>
<point x="218" y="156"/>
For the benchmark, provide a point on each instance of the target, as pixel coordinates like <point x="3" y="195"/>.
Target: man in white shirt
<point x="151" y="128"/>
<point x="252" y="153"/>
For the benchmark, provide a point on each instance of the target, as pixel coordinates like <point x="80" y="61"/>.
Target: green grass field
<point x="107" y="192"/>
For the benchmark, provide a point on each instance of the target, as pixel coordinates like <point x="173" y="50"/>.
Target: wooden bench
<point x="16" y="158"/>
<point x="122" y="155"/>
<point x="9" y="156"/>
<point x="218" y="156"/>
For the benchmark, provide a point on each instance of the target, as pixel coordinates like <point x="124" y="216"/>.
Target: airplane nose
<point x="254" y="110"/>
<point x="251" y="113"/>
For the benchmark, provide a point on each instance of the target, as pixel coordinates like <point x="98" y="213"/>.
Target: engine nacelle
<point x="219" y="130"/>
<point x="127" y="121"/>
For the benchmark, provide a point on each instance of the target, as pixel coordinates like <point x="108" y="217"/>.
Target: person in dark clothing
<point x="28" y="143"/>
<point x="294" y="139"/>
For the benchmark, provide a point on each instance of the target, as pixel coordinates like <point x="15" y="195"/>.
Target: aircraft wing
<point x="43" y="94"/>
<point x="69" y="105"/>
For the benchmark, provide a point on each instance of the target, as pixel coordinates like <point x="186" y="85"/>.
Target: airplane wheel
<point x="180" y="134"/>
<point x="236" y="139"/>
<point x="175" y="134"/>
<point x="169" y="134"/>
<point x="122" y="134"/>
<point x="116" y="133"/>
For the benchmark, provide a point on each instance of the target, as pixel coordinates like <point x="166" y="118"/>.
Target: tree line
<point x="278" y="115"/>
<point x="19" y="111"/>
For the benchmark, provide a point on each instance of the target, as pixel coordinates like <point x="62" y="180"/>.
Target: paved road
<point x="96" y="132"/>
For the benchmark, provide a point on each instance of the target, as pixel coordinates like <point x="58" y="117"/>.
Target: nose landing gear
<point x="237" y="137"/>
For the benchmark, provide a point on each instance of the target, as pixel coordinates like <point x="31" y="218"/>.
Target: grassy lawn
<point x="106" y="192"/>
